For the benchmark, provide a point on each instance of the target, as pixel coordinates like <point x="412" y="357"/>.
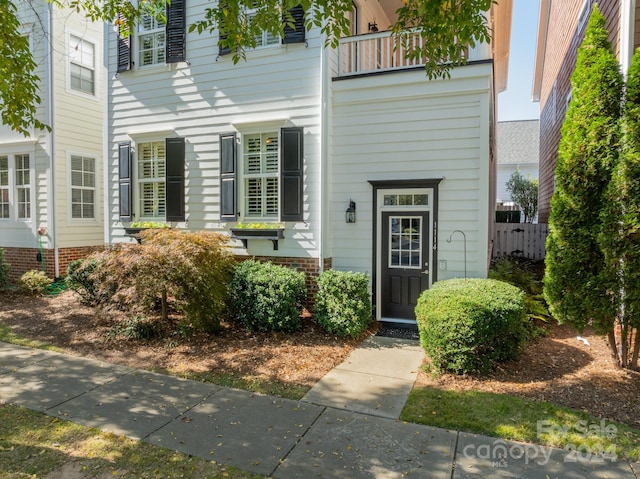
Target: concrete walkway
<point x="345" y="427"/>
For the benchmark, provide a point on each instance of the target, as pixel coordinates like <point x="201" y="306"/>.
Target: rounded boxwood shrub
<point x="343" y="304"/>
<point x="467" y="326"/>
<point x="268" y="297"/>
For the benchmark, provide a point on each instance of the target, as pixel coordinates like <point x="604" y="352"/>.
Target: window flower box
<point x="136" y="228"/>
<point x="245" y="232"/>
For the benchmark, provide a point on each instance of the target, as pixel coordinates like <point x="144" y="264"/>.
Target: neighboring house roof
<point x="518" y="142"/>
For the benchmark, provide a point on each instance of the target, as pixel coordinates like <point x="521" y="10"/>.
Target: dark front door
<point x="405" y="262"/>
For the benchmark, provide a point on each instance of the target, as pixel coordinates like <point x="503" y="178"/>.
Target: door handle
<point x="426" y="271"/>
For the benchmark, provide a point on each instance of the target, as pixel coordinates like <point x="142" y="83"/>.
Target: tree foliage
<point x="19" y="84"/>
<point x="524" y="193"/>
<point x="446" y="29"/>
<point x="588" y="151"/>
<point x="620" y="235"/>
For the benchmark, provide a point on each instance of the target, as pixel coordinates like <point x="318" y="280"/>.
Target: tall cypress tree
<point x="588" y="152"/>
<point x="620" y="235"/>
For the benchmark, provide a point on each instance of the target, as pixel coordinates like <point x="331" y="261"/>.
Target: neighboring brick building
<point x="561" y="29"/>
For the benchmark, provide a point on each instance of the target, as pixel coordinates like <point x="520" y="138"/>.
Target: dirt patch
<point x="565" y="370"/>
<point x="301" y="358"/>
<point x="558" y="368"/>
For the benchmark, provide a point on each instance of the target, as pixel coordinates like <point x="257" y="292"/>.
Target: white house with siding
<point x="51" y="190"/>
<point x="297" y="135"/>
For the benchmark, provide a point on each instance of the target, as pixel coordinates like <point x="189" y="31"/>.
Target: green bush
<point x="35" y="282"/>
<point x="267" y="297"/>
<point x="4" y="269"/>
<point x="343" y="303"/>
<point x="520" y="272"/>
<point x="80" y="278"/>
<point x="137" y="328"/>
<point x="467" y="326"/>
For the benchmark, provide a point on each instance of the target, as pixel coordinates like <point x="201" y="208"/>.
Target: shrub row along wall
<point x="26" y="259"/>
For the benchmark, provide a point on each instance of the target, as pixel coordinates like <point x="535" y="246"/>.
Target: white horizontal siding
<point x="412" y="128"/>
<point x="209" y="96"/>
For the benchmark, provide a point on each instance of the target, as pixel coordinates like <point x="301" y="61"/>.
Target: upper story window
<point x="265" y="38"/>
<point x="292" y="33"/>
<point x="157" y="43"/>
<point x="151" y="41"/>
<point x="81" y="65"/>
<point x="83" y="187"/>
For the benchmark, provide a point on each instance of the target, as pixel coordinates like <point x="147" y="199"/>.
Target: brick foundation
<point x="26" y="259"/>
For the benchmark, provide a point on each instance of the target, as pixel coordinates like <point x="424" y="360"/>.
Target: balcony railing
<point x="377" y="52"/>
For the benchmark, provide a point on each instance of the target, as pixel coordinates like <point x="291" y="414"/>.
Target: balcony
<point x="380" y="52"/>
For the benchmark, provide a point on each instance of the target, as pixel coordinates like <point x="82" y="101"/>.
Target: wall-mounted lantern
<point x="350" y="214"/>
<point x="373" y="26"/>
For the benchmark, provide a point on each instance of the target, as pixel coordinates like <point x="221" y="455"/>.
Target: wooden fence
<point x="520" y="239"/>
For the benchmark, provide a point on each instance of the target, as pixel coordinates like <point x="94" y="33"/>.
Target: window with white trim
<point x="261" y="175"/>
<point x="23" y="186"/>
<point x="151" y="41"/>
<point x="4" y="187"/>
<point x="81" y="65"/>
<point x="151" y="180"/>
<point x="266" y="38"/>
<point x="83" y="187"/>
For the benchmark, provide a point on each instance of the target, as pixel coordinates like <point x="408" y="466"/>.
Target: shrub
<point x="267" y="297"/>
<point x="137" y="328"/>
<point x="81" y="279"/>
<point x="190" y="271"/>
<point x="520" y="272"/>
<point x="468" y="325"/>
<point x="4" y="269"/>
<point x="343" y="304"/>
<point x="35" y="282"/>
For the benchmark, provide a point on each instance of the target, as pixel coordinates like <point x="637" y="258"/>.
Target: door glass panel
<point x="405" y="245"/>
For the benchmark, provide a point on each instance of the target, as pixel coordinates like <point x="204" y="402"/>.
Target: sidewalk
<point x="345" y="427"/>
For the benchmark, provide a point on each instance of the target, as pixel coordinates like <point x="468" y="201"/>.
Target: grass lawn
<point x="33" y="445"/>
<point x="511" y="417"/>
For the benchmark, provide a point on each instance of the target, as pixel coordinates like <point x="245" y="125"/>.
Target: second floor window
<point x="265" y="38"/>
<point x="81" y="65"/>
<point x="151" y="41"/>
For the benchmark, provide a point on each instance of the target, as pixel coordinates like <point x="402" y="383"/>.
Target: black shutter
<point x="176" y="32"/>
<point x="296" y="34"/>
<point x="291" y="174"/>
<point x="228" y="171"/>
<point x="124" y="48"/>
<point x="174" y="186"/>
<point x="124" y="180"/>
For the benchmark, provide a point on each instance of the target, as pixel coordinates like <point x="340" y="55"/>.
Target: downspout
<point x="52" y="227"/>
<point x="324" y="152"/>
<point x="106" y="195"/>
<point x="627" y="22"/>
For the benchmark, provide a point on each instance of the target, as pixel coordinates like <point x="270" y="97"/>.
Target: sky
<point x="515" y="102"/>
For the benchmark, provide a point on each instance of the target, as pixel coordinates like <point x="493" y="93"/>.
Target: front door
<point x="405" y="262"/>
